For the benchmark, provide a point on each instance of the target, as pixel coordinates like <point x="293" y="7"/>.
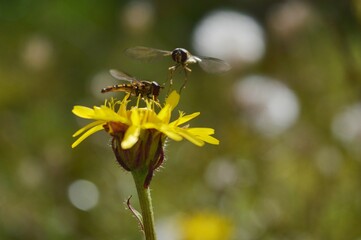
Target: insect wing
<point x="213" y="65"/>
<point x="121" y="76"/>
<point x="144" y="53"/>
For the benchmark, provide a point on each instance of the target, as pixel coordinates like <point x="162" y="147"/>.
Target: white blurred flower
<point x="269" y="105"/>
<point x="346" y="125"/>
<point x="231" y="36"/>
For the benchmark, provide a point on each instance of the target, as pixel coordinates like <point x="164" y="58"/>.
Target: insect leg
<point x="186" y="70"/>
<point x="171" y="72"/>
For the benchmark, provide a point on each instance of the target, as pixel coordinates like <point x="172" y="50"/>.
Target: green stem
<point x="145" y="202"/>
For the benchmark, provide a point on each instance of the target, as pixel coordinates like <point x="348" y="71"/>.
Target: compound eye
<point x="179" y="55"/>
<point x="176" y="56"/>
<point x="156" y="89"/>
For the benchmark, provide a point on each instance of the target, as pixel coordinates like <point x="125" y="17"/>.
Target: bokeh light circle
<point x="221" y="173"/>
<point x="288" y="18"/>
<point x="83" y="194"/>
<point x="138" y="15"/>
<point x="229" y="35"/>
<point x="269" y="105"/>
<point x="346" y="126"/>
<point x="38" y="53"/>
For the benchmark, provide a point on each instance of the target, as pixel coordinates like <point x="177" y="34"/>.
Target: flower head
<point x="139" y="133"/>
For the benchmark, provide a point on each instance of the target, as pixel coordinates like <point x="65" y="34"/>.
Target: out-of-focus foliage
<point x="289" y="162"/>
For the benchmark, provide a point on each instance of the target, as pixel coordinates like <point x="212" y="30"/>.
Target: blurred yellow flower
<point x="206" y="226"/>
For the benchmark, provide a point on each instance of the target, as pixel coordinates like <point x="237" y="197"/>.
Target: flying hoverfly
<point x="136" y="87"/>
<point x="182" y="58"/>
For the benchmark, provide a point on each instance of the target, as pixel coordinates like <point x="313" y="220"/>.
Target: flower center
<point x="115" y="128"/>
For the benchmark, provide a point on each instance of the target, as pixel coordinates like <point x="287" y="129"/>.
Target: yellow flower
<point x="206" y="225"/>
<point x="136" y="119"/>
<point x="139" y="133"/>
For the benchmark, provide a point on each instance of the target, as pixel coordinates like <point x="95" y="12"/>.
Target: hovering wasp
<point x="182" y="57"/>
<point x="136" y="87"/>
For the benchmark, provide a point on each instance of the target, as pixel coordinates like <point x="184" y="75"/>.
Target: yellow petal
<point x="170" y="103"/>
<point x="123" y="106"/>
<point x="190" y="137"/>
<point x="135" y="116"/>
<point x="83" y="112"/>
<point x="107" y="114"/>
<point x="165" y="114"/>
<point x="172" y="99"/>
<point x="210" y="140"/>
<point x="184" y="119"/>
<point x="87" y="134"/>
<point x="171" y="133"/>
<point x="90" y="125"/>
<point x="168" y="131"/>
<point x="201" y="131"/>
<point x="131" y="137"/>
<point x="204" y="134"/>
<point x="99" y="113"/>
<point x="152" y="118"/>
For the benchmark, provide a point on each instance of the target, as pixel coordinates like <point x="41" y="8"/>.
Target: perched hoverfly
<point x="182" y="57"/>
<point x="136" y="87"/>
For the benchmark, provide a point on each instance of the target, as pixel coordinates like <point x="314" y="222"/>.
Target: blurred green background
<point x="288" y="116"/>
